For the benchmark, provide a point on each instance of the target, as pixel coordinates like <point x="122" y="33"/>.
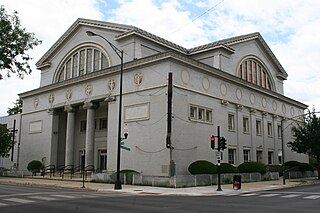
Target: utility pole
<point x="219" y="160"/>
<point x="169" y="122"/>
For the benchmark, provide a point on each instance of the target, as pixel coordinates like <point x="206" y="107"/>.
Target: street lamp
<point x="119" y="53"/>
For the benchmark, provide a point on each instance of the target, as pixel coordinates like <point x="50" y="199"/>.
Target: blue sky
<point x="290" y="27"/>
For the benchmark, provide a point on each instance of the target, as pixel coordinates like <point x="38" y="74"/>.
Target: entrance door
<point x="103" y="160"/>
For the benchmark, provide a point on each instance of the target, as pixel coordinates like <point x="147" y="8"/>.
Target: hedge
<point x="248" y="167"/>
<point x="202" y="167"/>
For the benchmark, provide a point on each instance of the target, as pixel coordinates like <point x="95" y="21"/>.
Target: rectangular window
<point x="270" y="157"/>
<point x="82" y="62"/>
<point x="232" y="156"/>
<point x="208" y="115"/>
<point x="279" y="131"/>
<point x="258" y="127"/>
<point x="201" y="114"/>
<point x="89" y="60"/>
<point x="83" y="125"/>
<point x="259" y="156"/>
<point x="103" y="123"/>
<point x="245" y="124"/>
<point x="75" y="65"/>
<point x="193" y="112"/>
<point x="246" y="155"/>
<point x="96" y="62"/>
<point x="231" y="122"/>
<point x="269" y="129"/>
<point x="102" y="160"/>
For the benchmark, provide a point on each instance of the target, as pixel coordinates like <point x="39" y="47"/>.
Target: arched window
<point x="253" y="71"/>
<point x="82" y="61"/>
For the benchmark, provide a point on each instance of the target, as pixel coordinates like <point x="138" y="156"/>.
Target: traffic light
<point x="222" y="143"/>
<point x="212" y="142"/>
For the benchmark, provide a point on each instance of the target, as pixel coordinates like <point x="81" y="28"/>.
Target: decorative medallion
<point x="223" y="89"/>
<point x="138" y="77"/>
<point x="36" y="102"/>
<point x="264" y="102"/>
<point x="205" y="83"/>
<point x="274" y="105"/>
<point x="51" y="99"/>
<point x="185" y="76"/>
<point x="292" y="111"/>
<point x="239" y="94"/>
<point x="69" y="94"/>
<point x="111" y="84"/>
<point x="252" y="98"/>
<point x="88" y="90"/>
<point x="284" y="109"/>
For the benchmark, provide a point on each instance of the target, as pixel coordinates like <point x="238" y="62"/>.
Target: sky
<point x="291" y="28"/>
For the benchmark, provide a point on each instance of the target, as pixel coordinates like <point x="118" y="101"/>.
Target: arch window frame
<point x="79" y="61"/>
<point x="251" y="69"/>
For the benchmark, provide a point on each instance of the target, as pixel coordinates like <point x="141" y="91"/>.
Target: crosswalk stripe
<point x="64" y="196"/>
<point x="290" y="196"/>
<point x="248" y="195"/>
<point x="312" y="197"/>
<point x="42" y="198"/>
<point x="269" y="195"/>
<point x="3" y="204"/>
<point x="19" y="200"/>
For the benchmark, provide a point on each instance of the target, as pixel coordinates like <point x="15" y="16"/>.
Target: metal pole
<point x="218" y="169"/>
<point x="117" y="184"/>
<point x="283" y="159"/>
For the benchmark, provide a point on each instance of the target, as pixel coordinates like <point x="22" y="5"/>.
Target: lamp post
<point x="119" y="53"/>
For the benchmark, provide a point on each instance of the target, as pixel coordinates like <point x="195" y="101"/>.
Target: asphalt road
<point x="33" y="199"/>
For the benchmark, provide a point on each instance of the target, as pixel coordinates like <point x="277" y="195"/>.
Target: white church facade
<point x="235" y="83"/>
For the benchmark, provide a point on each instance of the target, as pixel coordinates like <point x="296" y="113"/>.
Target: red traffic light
<point x="212" y="139"/>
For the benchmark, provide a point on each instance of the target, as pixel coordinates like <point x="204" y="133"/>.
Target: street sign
<point x="125" y="148"/>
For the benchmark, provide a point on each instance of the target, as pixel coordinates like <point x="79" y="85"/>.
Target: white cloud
<point x="48" y="20"/>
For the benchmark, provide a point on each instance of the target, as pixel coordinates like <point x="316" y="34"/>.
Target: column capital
<point x="69" y="108"/>
<point x="90" y="105"/>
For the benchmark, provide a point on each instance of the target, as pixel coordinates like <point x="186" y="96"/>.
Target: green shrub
<point x="298" y="166"/>
<point x="228" y="168"/>
<point x="202" y="167"/>
<point x="34" y="166"/>
<point x="248" y="167"/>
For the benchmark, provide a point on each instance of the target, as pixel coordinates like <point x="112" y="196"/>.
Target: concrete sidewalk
<point x="150" y="190"/>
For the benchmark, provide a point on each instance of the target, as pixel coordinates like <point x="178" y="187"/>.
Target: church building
<point x="173" y="100"/>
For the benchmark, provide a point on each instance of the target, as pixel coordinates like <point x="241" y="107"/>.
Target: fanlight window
<point x="82" y="61"/>
<point x="253" y="71"/>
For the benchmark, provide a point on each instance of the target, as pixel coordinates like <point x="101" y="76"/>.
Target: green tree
<point x="307" y="138"/>
<point x="17" y="107"/>
<point x="14" y="43"/>
<point x="5" y="140"/>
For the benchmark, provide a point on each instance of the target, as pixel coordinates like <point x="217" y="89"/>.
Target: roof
<point x="128" y="30"/>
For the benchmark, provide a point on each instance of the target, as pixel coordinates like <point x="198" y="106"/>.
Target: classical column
<point x="90" y="130"/>
<point x="71" y="114"/>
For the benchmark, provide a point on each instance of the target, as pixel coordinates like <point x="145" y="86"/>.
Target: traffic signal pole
<point x="219" y="159"/>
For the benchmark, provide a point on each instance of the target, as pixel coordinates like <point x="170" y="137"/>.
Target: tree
<point x="307" y="138"/>
<point x="17" y="107"/>
<point x="14" y="43"/>
<point x="5" y="140"/>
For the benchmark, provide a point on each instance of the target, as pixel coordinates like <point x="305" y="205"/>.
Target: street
<point x="50" y="200"/>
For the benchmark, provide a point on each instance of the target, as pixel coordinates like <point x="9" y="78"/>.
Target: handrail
<point x="48" y="169"/>
<point x="89" y="168"/>
<point x="66" y="169"/>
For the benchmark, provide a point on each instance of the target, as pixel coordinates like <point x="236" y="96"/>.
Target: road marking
<point x="19" y="200"/>
<point x="3" y="204"/>
<point x="87" y="196"/>
<point x="269" y="195"/>
<point x="43" y="198"/>
<point x="65" y="196"/>
<point x="313" y="197"/>
<point x="290" y="196"/>
<point x="248" y="195"/>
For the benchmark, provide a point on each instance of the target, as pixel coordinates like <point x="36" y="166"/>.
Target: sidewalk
<point x="150" y="190"/>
